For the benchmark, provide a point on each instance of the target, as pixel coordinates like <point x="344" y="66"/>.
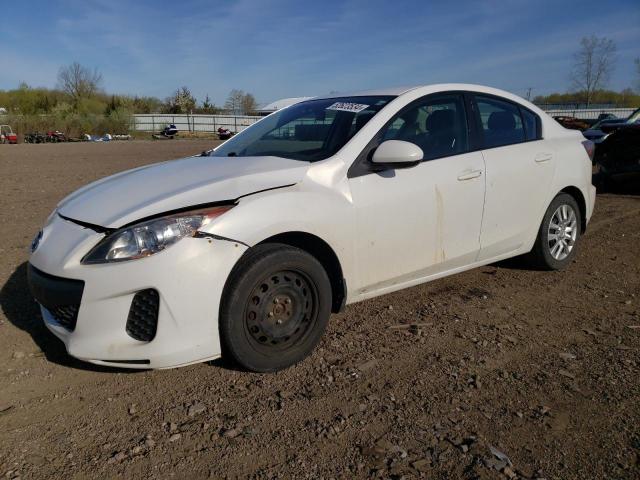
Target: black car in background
<point x="617" y="146"/>
<point x="597" y="134"/>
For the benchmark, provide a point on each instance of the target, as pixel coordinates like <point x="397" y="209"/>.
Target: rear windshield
<point x="309" y="131"/>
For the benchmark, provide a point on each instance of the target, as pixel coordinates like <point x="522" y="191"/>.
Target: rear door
<point x="419" y="221"/>
<point x="519" y="170"/>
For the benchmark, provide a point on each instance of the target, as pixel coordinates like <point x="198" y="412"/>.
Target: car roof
<point x="435" y="87"/>
<point x="391" y="91"/>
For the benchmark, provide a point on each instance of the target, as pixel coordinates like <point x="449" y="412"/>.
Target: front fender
<point x="322" y="212"/>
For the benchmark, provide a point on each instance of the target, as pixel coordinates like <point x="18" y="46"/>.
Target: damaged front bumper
<point x="89" y="306"/>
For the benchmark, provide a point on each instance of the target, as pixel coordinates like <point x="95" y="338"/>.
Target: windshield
<point x="309" y="131"/>
<point x="634" y="117"/>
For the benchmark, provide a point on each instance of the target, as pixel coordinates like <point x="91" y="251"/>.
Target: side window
<point x="393" y="130"/>
<point x="438" y="126"/>
<point x="501" y="122"/>
<point x="530" y="124"/>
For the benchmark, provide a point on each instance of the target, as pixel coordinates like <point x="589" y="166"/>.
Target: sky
<point x="287" y="48"/>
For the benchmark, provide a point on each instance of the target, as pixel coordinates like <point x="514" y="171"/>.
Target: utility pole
<point x="529" y="93"/>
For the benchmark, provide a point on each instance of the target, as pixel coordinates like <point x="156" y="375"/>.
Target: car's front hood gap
<point x="91" y="226"/>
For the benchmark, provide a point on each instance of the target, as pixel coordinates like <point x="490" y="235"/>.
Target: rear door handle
<point x="468" y="175"/>
<point x="543" y="157"/>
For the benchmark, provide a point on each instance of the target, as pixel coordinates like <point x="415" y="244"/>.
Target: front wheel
<point x="275" y="307"/>
<point x="558" y="235"/>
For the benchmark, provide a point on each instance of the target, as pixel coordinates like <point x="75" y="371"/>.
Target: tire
<point x="552" y="254"/>
<point x="275" y="307"/>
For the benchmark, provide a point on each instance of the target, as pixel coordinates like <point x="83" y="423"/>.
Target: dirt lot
<point x="508" y="372"/>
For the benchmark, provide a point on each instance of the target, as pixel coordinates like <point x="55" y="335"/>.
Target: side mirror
<point x="397" y="154"/>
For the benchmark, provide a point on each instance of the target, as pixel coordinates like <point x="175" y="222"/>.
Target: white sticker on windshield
<point x="347" y="107"/>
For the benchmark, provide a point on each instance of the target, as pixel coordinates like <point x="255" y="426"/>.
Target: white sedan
<point x="246" y="250"/>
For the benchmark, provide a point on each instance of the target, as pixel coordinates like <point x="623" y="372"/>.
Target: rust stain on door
<point x="439" y="253"/>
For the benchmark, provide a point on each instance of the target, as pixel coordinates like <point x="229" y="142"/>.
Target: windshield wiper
<point x="232" y="154"/>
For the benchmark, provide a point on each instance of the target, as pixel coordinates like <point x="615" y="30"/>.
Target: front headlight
<point x="153" y="236"/>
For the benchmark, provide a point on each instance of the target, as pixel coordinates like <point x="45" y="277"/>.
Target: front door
<point x="416" y="222"/>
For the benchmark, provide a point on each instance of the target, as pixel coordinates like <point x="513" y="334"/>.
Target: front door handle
<point x="468" y="175"/>
<point x="543" y="157"/>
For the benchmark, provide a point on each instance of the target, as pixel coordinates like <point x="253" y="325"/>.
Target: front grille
<point x="142" y="322"/>
<point x="66" y="315"/>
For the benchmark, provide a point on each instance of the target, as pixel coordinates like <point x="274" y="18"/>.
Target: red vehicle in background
<point x="55" y="136"/>
<point x="7" y="135"/>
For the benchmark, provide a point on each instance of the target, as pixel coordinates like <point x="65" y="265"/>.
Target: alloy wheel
<point x="562" y="232"/>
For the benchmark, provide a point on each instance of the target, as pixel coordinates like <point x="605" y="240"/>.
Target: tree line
<point x="625" y="98"/>
<point x="79" y="91"/>
<point x="593" y="65"/>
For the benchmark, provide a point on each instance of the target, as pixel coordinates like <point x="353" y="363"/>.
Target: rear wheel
<point x="558" y="235"/>
<point x="275" y="307"/>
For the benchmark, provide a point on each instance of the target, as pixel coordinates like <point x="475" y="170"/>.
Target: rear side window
<point x="531" y="129"/>
<point x="500" y="121"/>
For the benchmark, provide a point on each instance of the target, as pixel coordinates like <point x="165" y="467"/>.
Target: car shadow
<point x="22" y="311"/>
<point x="226" y="364"/>
<point x="516" y="263"/>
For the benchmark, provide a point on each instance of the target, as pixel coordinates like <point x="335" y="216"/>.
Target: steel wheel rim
<point x="562" y="232"/>
<point x="280" y="311"/>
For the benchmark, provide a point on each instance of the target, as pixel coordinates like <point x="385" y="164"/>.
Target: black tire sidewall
<point x="542" y="241"/>
<point x="258" y="263"/>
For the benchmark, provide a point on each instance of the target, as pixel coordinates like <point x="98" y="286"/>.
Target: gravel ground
<point x="500" y="372"/>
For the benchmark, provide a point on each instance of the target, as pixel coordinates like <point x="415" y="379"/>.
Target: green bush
<point x="70" y="123"/>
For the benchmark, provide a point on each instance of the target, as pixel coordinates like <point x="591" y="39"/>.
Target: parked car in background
<point x="7" y="135"/>
<point x="571" y="123"/>
<point x="55" y="136"/>
<point x="225" y="133"/>
<point x="246" y="250"/>
<point x="35" y="137"/>
<point x="597" y="133"/>
<point x="168" y="132"/>
<point x="618" y="152"/>
<point x="605" y="116"/>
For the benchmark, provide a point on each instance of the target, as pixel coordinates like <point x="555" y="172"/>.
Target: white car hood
<point x="123" y="198"/>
